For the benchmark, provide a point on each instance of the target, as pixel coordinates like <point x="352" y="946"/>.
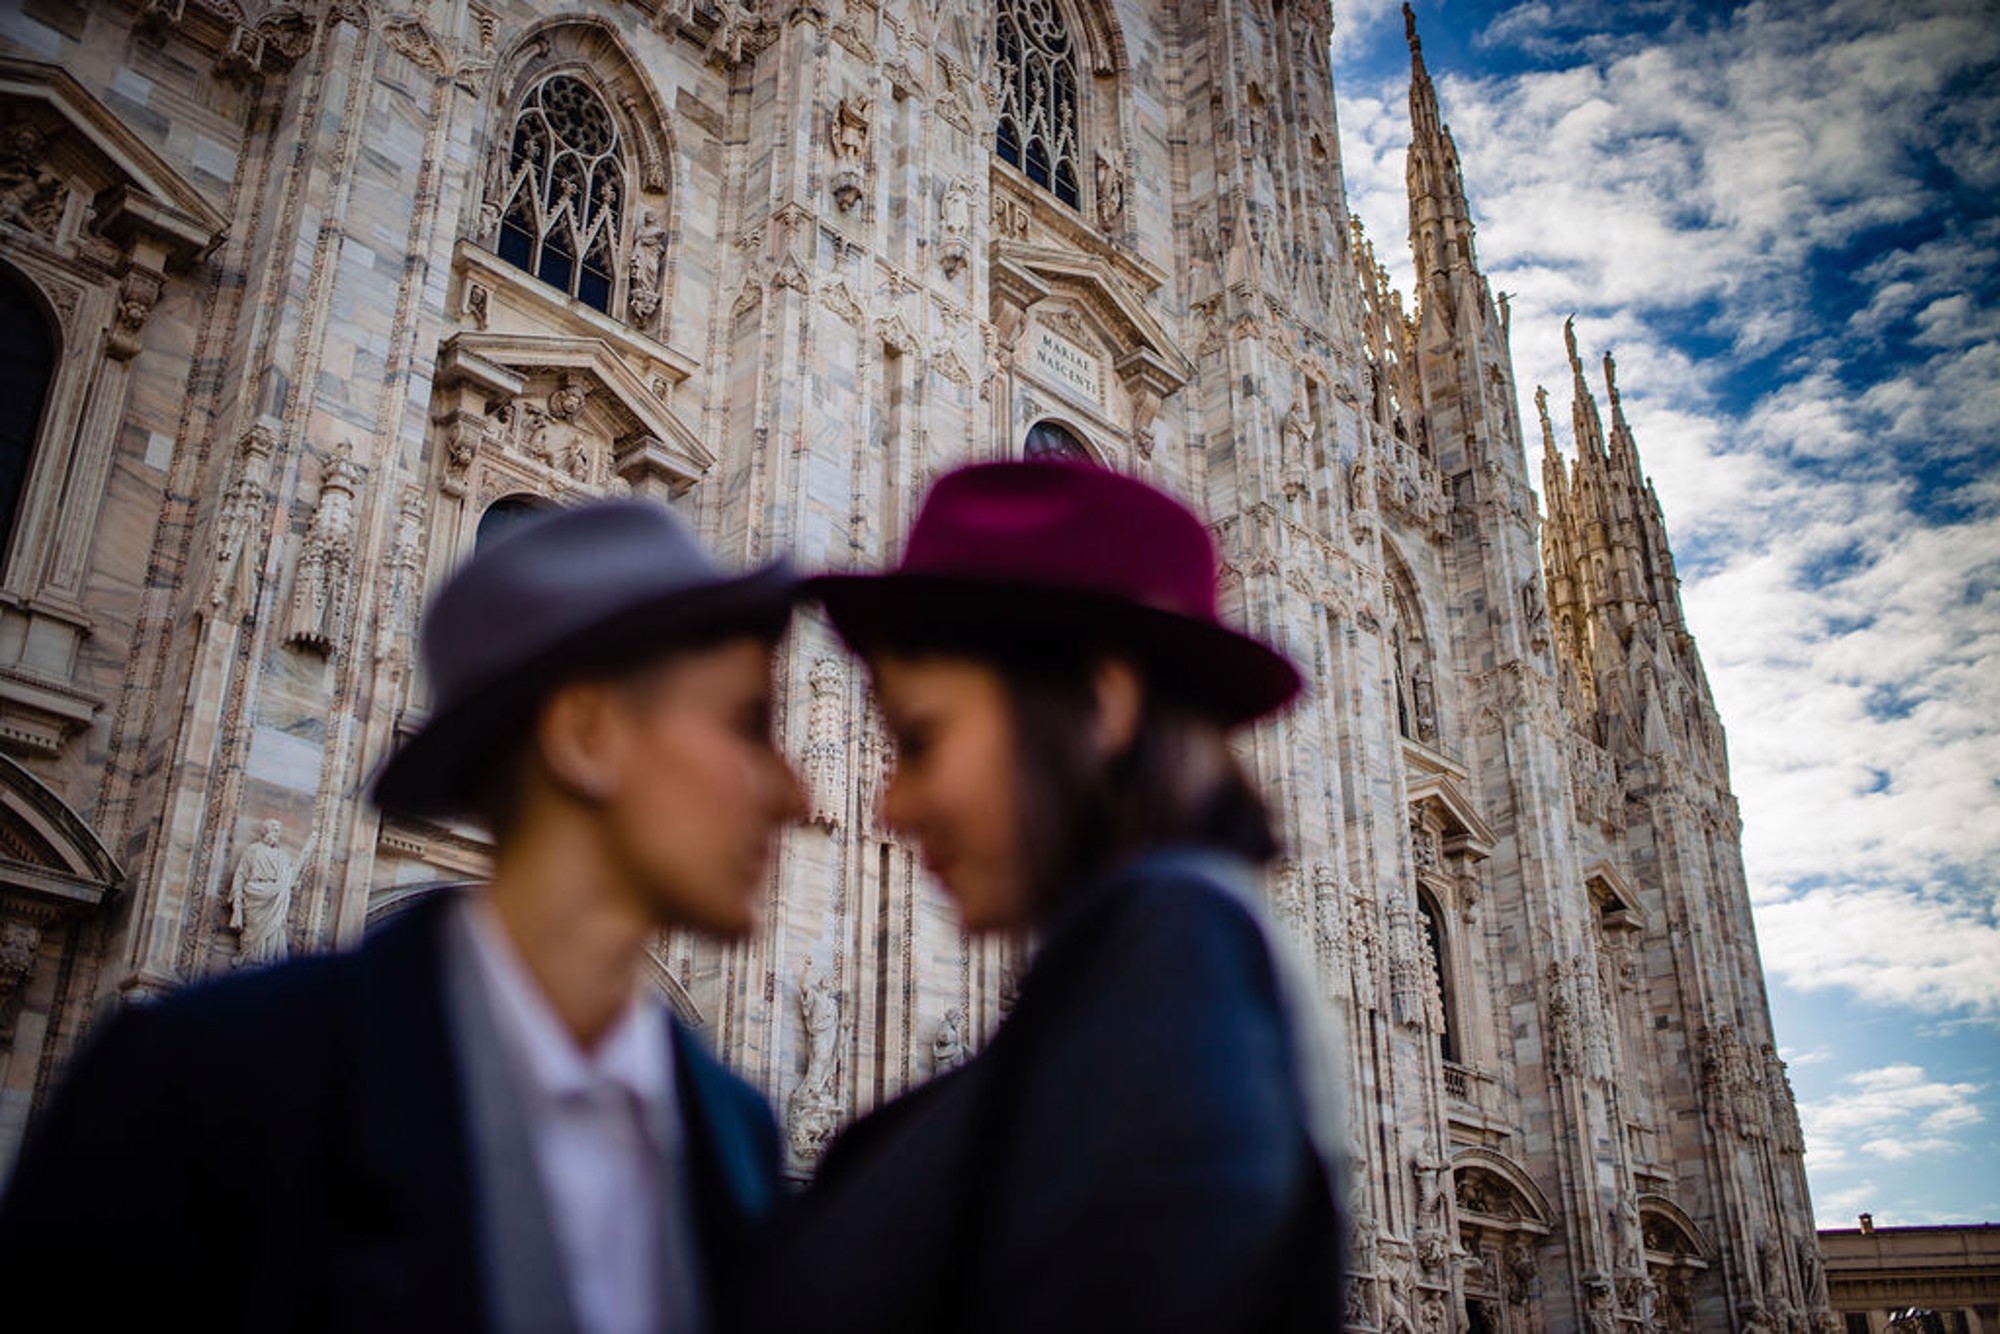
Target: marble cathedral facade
<point x="300" y="299"/>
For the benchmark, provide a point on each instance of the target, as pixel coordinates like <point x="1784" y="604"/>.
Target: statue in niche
<point x="1110" y="184"/>
<point x="814" y="1106"/>
<point x="1295" y="448"/>
<point x="260" y="896"/>
<point x="948" y="1047"/>
<point x="848" y="135"/>
<point x="1597" y="1306"/>
<point x="322" y="591"/>
<point x="954" y="228"/>
<point x="242" y="514"/>
<point x="1424" y="696"/>
<point x="1535" y="613"/>
<point x="649" y="253"/>
<point x="1521" y="1271"/>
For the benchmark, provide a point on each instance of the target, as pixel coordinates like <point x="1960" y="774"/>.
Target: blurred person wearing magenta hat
<point x="1150" y="1141"/>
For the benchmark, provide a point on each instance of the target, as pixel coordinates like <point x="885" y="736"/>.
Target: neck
<point x="577" y="927"/>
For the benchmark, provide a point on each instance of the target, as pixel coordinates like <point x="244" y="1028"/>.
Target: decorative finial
<point x="1611" y="378"/>
<point x="1569" y="340"/>
<point x="1410" y="29"/>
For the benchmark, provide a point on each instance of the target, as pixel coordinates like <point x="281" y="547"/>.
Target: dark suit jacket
<point x="286" y="1150"/>
<point x="1130" y="1152"/>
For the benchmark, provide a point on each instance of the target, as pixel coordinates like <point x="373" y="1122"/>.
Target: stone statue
<point x="948" y="1047"/>
<point x="649" y="250"/>
<point x="1110" y="184"/>
<point x="848" y="135"/>
<point x="1294" y="446"/>
<point x="242" y="515"/>
<point x="323" y="590"/>
<point x="30" y="194"/>
<point x="813" y="1109"/>
<point x="954" y="228"/>
<point x="819" y="1006"/>
<point x="260" y="896"/>
<point x="1597" y="1309"/>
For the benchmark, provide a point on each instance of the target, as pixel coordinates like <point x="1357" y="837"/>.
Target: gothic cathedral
<point x="301" y="298"/>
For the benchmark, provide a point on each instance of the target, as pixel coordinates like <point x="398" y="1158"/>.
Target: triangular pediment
<point x="1147" y="356"/>
<point x="609" y="380"/>
<point x="50" y="857"/>
<point x="136" y="188"/>
<point x="1463" y="831"/>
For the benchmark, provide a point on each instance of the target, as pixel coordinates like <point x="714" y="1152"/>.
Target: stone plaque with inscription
<point x="1068" y="365"/>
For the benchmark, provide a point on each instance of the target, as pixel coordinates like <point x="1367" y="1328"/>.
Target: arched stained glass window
<point x="1049" y="441"/>
<point x="564" y="191"/>
<point x="27" y="362"/>
<point x="1037" y="131"/>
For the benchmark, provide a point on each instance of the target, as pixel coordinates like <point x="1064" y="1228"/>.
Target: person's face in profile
<point x="697" y="789"/>
<point x="955" y="782"/>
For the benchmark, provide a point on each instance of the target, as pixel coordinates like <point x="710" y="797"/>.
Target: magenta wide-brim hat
<point x="1019" y="552"/>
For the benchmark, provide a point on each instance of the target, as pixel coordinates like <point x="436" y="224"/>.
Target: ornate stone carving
<point x="948" y="1046"/>
<point x="848" y="135"/>
<point x="322" y="589"/>
<point x="244" y="503"/>
<point x="1294" y="449"/>
<point x="826" y="746"/>
<point x="19" y="944"/>
<point x="1110" y="186"/>
<point x="404" y="578"/>
<point x="813" y="1110"/>
<point x="260" y="896"/>
<point x="649" y="250"/>
<point x="954" y="228"/>
<point x="137" y="295"/>
<point x="31" y="196"/>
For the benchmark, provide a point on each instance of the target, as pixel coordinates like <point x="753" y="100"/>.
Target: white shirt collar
<point x="634" y="1053"/>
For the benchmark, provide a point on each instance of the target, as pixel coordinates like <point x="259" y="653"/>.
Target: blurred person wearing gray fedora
<point x="482" y="1118"/>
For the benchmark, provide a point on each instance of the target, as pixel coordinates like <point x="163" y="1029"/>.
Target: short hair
<point x="496" y="802"/>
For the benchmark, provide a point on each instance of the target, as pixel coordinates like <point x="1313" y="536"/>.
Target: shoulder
<point x="1169" y="927"/>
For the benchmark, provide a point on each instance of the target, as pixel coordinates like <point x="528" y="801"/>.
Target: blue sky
<point x="1784" y="219"/>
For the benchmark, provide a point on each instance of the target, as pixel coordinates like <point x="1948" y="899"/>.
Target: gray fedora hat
<point x="574" y="593"/>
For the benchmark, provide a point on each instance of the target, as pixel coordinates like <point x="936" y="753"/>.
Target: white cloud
<point x="1839" y="536"/>
<point x="1890" y="1114"/>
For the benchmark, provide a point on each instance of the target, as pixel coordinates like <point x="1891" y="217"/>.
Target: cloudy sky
<point x="1784" y="219"/>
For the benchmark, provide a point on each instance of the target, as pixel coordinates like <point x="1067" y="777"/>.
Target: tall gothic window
<point x="1427" y="923"/>
<point x="27" y="361"/>
<point x="559" y="215"/>
<point x="1038" y="97"/>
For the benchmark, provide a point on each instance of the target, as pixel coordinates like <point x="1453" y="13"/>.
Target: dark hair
<point x="503" y="784"/>
<point x="1176" y="784"/>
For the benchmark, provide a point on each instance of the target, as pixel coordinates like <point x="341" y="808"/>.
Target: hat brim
<point x="1224" y="674"/>
<point x="440" y="770"/>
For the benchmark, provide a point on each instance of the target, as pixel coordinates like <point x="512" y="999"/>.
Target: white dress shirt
<point x="593" y="1118"/>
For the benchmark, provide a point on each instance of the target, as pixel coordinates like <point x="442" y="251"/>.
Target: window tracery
<point x="1037" y="130"/>
<point x="564" y="191"/>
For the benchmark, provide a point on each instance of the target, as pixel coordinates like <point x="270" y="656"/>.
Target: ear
<point x="1120" y="694"/>
<point x="575" y="733"/>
